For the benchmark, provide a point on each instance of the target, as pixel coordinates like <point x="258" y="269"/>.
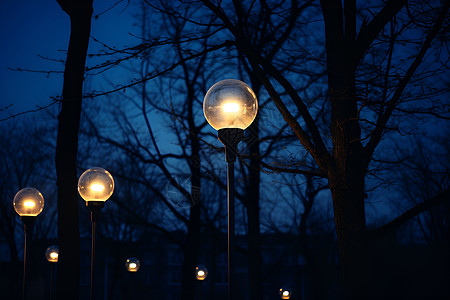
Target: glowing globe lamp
<point x="52" y="253"/>
<point x="201" y="272"/>
<point x="28" y="202"/>
<point x="132" y="264"/>
<point x="230" y="103"/>
<point x="285" y="294"/>
<point x="95" y="184"/>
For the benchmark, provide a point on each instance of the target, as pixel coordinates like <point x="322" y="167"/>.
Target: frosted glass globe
<point x="52" y="253"/>
<point x="95" y="184"/>
<point x="132" y="264"/>
<point x="230" y="103"/>
<point x="28" y="202"/>
<point x="201" y="272"/>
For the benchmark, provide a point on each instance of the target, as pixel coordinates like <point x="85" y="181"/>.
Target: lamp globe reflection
<point x="52" y="253"/>
<point x="132" y="264"/>
<point x="95" y="184"/>
<point x="285" y="294"/>
<point x="28" y="202"/>
<point x="201" y="272"/>
<point x="230" y="103"/>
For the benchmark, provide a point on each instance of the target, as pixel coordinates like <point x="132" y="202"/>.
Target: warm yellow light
<point x="95" y="184"/>
<point x="52" y="253"/>
<point x="97" y="187"/>
<point x="132" y="264"/>
<point x="29" y="203"/>
<point x="285" y="294"/>
<point x="231" y="107"/>
<point x="201" y="272"/>
<point x="230" y="103"/>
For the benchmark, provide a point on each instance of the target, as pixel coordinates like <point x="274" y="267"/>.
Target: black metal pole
<point x="25" y="252"/>
<point x="94" y="207"/>
<point x="230" y="137"/>
<point x="92" y="253"/>
<point x="51" y="281"/>
<point x="231" y="228"/>
<point x="28" y="222"/>
<point x="131" y="285"/>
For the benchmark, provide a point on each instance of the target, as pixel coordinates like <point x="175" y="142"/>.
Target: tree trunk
<point x="347" y="170"/>
<point x="346" y="176"/>
<point x="67" y="282"/>
<point x="252" y="205"/>
<point x="191" y="247"/>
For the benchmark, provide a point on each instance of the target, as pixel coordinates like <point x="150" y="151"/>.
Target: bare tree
<point x="374" y="76"/>
<point x="68" y="279"/>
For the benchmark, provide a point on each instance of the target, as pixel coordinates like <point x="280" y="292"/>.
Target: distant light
<point x="285" y="294"/>
<point x="201" y="272"/>
<point x="231" y="107"/>
<point x="52" y="253"/>
<point x="132" y="264"/>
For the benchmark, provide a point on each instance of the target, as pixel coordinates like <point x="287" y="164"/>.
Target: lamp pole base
<point x="230" y="137"/>
<point x="28" y="224"/>
<point x="94" y="207"/>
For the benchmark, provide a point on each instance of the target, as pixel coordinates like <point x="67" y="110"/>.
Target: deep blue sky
<point x="29" y="28"/>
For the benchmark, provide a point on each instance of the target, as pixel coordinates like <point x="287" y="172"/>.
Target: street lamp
<point x="95" y="186"/>
<point x="132" y="264"/>
<point x="52" y="254"/>
<point x="230" y="106"/>
<point x="28" y="203"/>
<point x="285" y="294"/>
<point x="201" y="272"/>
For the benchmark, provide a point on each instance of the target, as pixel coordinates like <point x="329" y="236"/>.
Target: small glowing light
<point x="201" y="272"/>
<point x="231" y="107"/>
<point x="285" y="294"/>
<point x="29" y="203"/>
<point x="97" y="187"/>
<point x="51" y="254"/>
<point x="132" y="264"/>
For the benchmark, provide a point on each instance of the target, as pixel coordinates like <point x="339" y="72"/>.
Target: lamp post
<point x="28" y="203"/>
<point x="285" y="294"/>
<point x="201" y="272"/>
<point x="52" y="254"/>
<point x="95" y="186"/>
<point x="132" y="265"/>
<point x="230" y="106"/>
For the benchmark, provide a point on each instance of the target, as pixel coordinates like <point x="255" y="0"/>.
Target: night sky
<point x="30" y="29"/>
